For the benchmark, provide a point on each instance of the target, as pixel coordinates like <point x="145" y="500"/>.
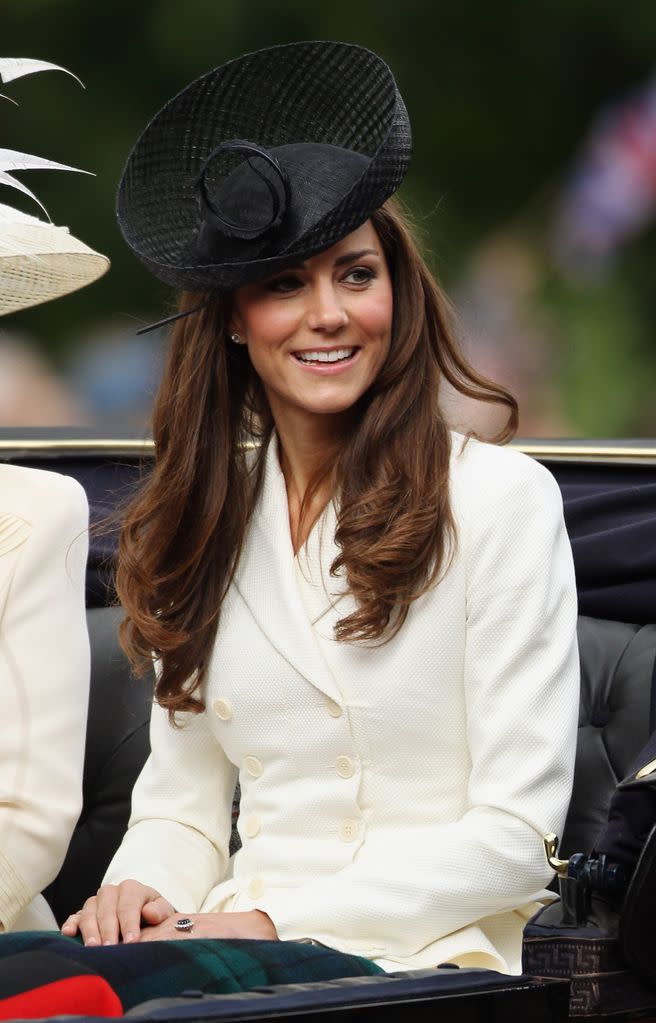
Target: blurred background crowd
<point x="533" y="188"/>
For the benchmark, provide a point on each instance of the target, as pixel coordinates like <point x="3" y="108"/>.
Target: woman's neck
<point x="306" y="446"/>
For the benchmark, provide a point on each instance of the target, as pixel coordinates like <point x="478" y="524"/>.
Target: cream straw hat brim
<point x="39" y="261"/>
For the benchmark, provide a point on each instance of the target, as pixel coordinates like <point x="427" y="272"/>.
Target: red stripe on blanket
<point x="84" y="996"/>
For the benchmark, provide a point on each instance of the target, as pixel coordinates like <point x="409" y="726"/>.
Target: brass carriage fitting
<point x="646" y="770"/>
<point x="551" y="848"/>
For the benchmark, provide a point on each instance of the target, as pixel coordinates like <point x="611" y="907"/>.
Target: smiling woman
<point x="366" y="620"/>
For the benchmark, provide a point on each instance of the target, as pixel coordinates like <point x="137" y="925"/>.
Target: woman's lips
<point x="327" y="361"/>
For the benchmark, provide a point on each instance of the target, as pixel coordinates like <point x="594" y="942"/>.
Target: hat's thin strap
<point x="171" y="319"/>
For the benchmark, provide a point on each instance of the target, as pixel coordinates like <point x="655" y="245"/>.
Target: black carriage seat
<point x="618" y="664"/>
<point x="618" y="678"/>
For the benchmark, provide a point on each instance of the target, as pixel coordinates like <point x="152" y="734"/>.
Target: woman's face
<point x="319" y="333"/>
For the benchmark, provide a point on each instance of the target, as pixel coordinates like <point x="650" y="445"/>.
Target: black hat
<point x="263" y="162"/>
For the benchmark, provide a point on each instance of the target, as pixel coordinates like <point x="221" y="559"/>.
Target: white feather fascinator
<point x="38" y="261"/>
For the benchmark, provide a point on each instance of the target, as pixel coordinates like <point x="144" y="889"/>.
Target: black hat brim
<point x="321" y="93"/>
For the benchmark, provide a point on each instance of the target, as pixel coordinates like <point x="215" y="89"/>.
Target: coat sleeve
<point x="521" y="694"/>
<point x="44" y="664"/>
<point x="179" y="830"/>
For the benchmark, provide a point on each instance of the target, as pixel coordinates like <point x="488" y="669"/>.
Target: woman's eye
<point x="360" y="275"/>
<point x="283" y="285"/>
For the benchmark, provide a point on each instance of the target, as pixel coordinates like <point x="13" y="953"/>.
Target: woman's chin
<point x="331" y="407"/>
<point x="328" y="398"/>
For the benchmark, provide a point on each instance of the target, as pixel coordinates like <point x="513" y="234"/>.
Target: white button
<point x="345" y="767"/>
<point x="348" y="829"/>
<point x="252" y="826"/>
<point x="253" y="766"/>
<point x="333" y="709"/>
<point x="222" y="709"/>
<point x="256" y="888"/>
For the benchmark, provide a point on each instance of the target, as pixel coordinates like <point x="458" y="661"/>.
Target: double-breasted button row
<point x="344" y="766"/>
<point x="223" y="709"/>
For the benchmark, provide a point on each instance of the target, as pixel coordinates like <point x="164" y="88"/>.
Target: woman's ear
<point x="235" y="330"/>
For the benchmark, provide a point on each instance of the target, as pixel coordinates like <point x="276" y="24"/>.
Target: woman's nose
<point x="326" y="312"/>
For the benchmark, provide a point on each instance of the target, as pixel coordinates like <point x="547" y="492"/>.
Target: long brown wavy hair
<point x="184" y="531"/>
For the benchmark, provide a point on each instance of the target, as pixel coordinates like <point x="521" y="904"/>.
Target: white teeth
<point x="335" y="356"/>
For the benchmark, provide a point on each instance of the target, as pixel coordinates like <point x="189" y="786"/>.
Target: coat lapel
<point x="266" y="579"/>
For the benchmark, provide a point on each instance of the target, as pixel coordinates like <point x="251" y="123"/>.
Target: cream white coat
<point x="394" y="797"/>
<point x="44" y="682"/>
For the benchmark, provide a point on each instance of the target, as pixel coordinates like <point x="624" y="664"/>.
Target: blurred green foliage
<point x="500" y="96"/>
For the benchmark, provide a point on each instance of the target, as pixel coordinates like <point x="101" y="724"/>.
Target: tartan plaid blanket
<point x="167" y="968"/>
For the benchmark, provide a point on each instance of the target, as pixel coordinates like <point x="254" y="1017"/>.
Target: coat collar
<point x="266" y="577"/>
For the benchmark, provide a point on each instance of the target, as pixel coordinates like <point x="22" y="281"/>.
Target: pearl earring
<point x="237" y="340"/>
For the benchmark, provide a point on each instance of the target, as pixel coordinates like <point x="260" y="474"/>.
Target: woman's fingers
<point x="115" y="912"/>
<point x="70" y="925"/>
<point x="157" y="911"/>
<point x="133" y="900"/>
<point x="128" y="911"/>
<point x="105" y="924"/>
<point x="87" y="922"/>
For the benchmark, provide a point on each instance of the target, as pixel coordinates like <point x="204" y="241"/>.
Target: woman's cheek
<point x="270" y="323"/>
<point x="376" y="314"/>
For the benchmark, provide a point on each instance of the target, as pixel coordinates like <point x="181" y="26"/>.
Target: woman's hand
<point x="251" y="924"/>
<point x="118" y="911"/>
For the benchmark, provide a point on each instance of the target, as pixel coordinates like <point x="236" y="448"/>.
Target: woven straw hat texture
<point x="325" y="93"/>
<point x="39" y="261"/>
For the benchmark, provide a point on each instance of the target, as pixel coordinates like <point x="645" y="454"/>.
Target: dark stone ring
<point x="184" y="924"/>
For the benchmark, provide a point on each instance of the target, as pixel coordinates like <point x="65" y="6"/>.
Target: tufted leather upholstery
<point x="617" y="673"/>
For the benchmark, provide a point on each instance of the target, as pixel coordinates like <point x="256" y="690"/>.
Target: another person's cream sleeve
<point x="44" y="678"/>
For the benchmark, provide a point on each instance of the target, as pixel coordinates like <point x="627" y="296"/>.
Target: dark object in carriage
<point x="609" y="492"/>
<point x="600" y="934"/>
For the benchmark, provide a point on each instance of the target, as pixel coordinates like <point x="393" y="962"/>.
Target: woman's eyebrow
<point x="350" y="257"/>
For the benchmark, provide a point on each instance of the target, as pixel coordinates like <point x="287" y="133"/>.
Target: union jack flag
<point x="611" y="194"/>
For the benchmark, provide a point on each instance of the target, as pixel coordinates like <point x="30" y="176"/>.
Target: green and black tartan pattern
<point x="162" y="969"/>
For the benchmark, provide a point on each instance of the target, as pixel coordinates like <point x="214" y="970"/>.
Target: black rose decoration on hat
<point x="263" y="162"/>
